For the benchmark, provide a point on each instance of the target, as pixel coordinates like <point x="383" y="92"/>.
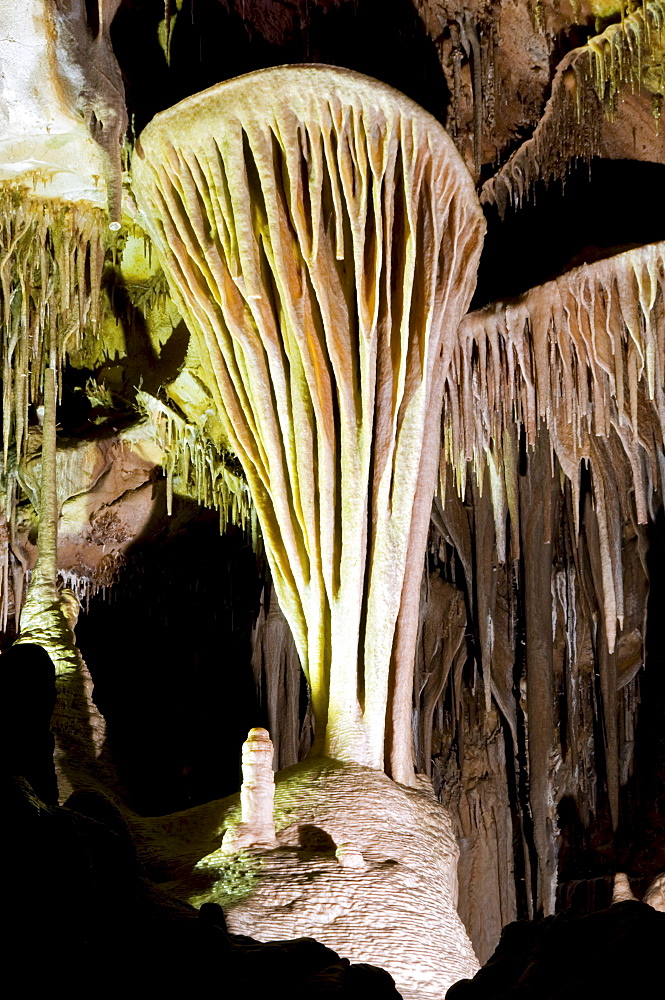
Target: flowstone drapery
<point x="554" y="424"/>
<point x="320" y="236"/>
<point x="585" y="355"/>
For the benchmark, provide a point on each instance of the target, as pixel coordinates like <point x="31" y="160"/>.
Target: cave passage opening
<point x="178" y="622"/>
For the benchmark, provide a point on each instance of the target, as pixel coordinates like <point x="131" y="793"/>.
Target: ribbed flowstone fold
<point x="320" y="236"/>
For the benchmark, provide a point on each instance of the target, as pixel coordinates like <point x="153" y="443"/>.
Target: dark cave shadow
<point x="212" y="42"/>
<point x="313" y="838"/>
<point x="562" y="225"/>
<point x="590" y="857"/>
<point x="178" y="623"/>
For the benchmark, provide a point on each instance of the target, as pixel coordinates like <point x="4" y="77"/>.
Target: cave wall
<point x="511" y="650"/>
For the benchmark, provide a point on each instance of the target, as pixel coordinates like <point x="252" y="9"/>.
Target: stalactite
<point x="469" y="35"/>
<point x="536" y="517"/>
<point x="567" y="734"/>
<point x="194" y="466"/>
<point x="570" y="375"/>
<point x="459" y="741"/>
<point x="605" y="657"/>
<point x="585" y="354"/>
<point x="457" y="77"/>
<point x="441" y="645"/>
<point x="587" y="83"/>
<point x="472" y="38"/>
<point x="51" y="261"/>
<point x="50" y="276"/>
<point x="619" y="55"/>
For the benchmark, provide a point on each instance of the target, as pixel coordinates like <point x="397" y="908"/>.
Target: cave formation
<point x="289" y="450"/>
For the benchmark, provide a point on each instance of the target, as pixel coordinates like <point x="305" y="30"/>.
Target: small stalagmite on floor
<point x="257" y="796"/>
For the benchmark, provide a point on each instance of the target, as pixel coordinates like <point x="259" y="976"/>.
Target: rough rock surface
<point x="398" y="912"/>
<point x="500" y="62"/>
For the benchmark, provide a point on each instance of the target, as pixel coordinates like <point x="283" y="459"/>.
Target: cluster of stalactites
<point x="194" y="467"/>
<point x="628" y="54"/>
<point x="585" y="355"/>
<point x="618" y="56"/>
<point x="50" y="277"/>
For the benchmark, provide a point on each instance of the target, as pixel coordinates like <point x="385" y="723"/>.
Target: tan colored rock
<point x="349" y="856"/>
<point x="621" y="891"/>
<point x="397" y="911"/>
<point x="320" y="236"/>
<point x="655" y="894"/>
<point x="257" y="796"/>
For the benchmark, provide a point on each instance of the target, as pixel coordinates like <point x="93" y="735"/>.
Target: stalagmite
<point x="655" y="894"/>
<point x="622" y="891"/>
<point x="320" y="235"/>
<point x="361" y="864"/>
<point x="350" y="856"/>
<point x="257" y="796"/>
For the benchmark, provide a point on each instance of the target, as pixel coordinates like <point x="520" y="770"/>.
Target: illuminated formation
<point x="257" y="796"/>
<point x="577" y="366"/>
<point x="62" y="122"/>
<point x="320" y="236"/>
<point x="462" y="514"/>
<point x="585" y="355"/>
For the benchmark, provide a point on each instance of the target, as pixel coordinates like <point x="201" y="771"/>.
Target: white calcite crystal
<point x="257" y="796"/>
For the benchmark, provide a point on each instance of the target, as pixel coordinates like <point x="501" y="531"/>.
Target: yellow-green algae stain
<point x="236" y="877"/>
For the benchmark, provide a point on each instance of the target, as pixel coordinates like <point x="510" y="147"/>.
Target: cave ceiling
<point x="536" y="622"/>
